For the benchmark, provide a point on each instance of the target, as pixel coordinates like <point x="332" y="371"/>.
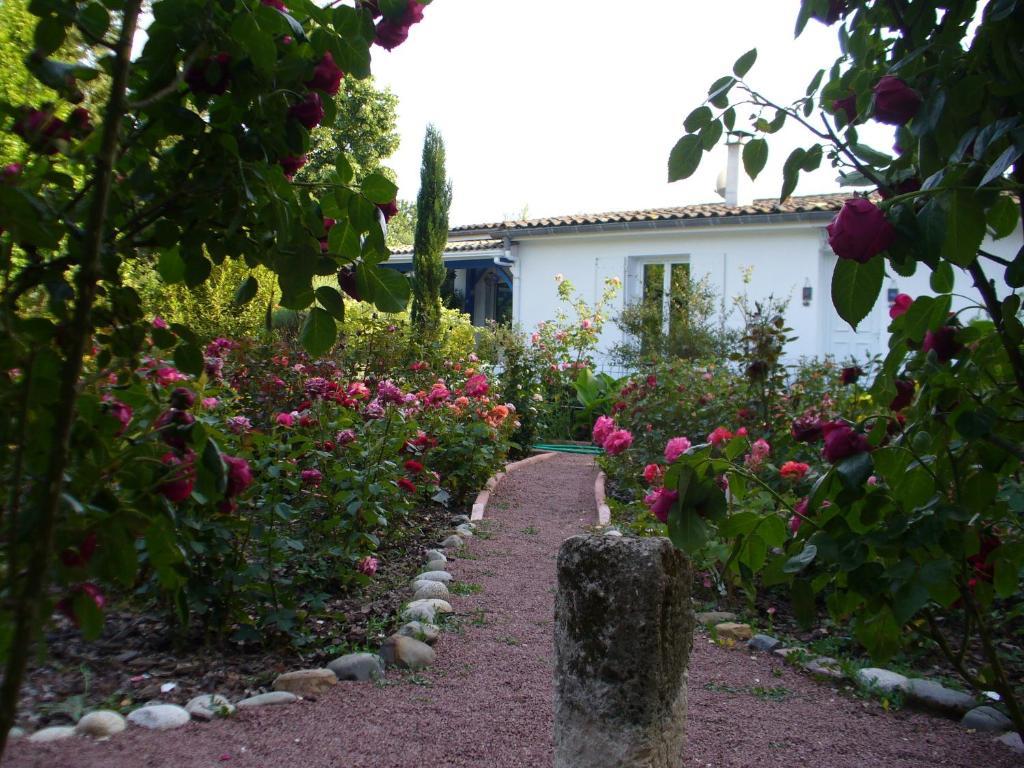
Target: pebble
<point x="883" y="680"/>
<point x="425" y="610"/>
<point x="460" y="519"/>
<point x="987" y="719"/>
<point x="710" y="618"/>
<point x="406" y="653"/>
<point x="101" y="724"/>
<point x="436" y="554"/>
<point x="160" y="717"/>
<point x="765" y="643"/>
<point x="452" y="542"/>
<point x="782" y="653"/>
<point x="53" y="733"/>
<point x="360" y="667"/>
<point x="466" y="529"/>
<point x="930" y="694"/>
<point x="443" y="576"/>
<point x="208" y="706"/>
<point x="15" y="733"/>
<point x="613" y="532"/>
<point x="1012" y="740"/>
<point x="730" y="630"/>
<point x="267" y="699"/>
<point x="427" y="633"/>
<point x="824" y="666"/>
<point x="306" y="682"/>
<point x="436" y="565"/>
<point x="427" y="590"/>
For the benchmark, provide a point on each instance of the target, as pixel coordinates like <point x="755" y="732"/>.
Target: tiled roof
<point x="459" y="246"/>
<point x="806" y="204"/>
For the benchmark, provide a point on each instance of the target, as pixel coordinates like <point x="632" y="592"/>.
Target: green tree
<point x="432" y="204"/>
<point x="402" y="227"/>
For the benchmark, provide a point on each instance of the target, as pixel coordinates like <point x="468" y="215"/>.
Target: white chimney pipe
<point x="733" y="169"/>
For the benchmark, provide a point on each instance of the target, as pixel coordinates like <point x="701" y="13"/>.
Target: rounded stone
<point x="730" y="630"/>
<point x="160" y="717"/>
<point x="101" y="724"/>
<point x="826" y="667"/>
<point x="53" y="733"/>
<point x="267" y="699"/>
<point x="208" y="706"/>
<point x="987" y="719"/>
<point x="466" y="529"/>
<point x="883" y="680"/>
<point x="428" y="590"/>
<point x="436" y="565"/>
<point x="407" y="653"/>
<point x="306" y="682"/>
<point x="443" y="576"/>
<point x="425" y="610"/>
<point x="930" y="694"/>
<point x="435" y="554"/>
<point x="460" y="519"/>
<point x="426" y="633"/>
<point x="360" y="667"/>
<point x="453" y="542"/>
<point x="765" y="643"/>
<point x="711" y="618"/>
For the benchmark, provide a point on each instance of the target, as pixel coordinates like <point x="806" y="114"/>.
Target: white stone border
<point x="604" y="513"/>
<point x="480" y="505"/>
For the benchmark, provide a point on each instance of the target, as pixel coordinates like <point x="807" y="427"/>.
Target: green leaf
<point x="744" y="63"/>
<point x="687" y="530"/>
<point x="257" y="43"/>
<point x="976" y="423"/>
<point x="1001" y="165"/>
<point x="710" y="135"/>
<point x="89" y="615"/>
<point x="908" y="600"/>
<point x="1003" y="216"/>
<point x="188" y="358"/>
<point x="388" y="289"/>
<point x="855" y="288"/>
<point x="379" y="189"/>
<point x="685" y="157"/>
<point x="755" y="156"/>
<point x="1015" y="272"/>
<point x="93" y="20"/>
<point x="941" y="279"/>
<point x="801" y="597"/>
<point x="965" y="229"/>
<point x="331" y="300"/>
<point x="872" y="156"/>
<point x="171" y="266"/>
<point x="319" y="332"/>
<point x="247" y="290"/>
<point x="801" y="560"/>
<point x="854" y="470"/>
<point x="791" y="172"/>
<point x="697" y="119"/>
<point x="718" y="93"/>
<point x="49" y="35"/>
<point x="164" y="553"/>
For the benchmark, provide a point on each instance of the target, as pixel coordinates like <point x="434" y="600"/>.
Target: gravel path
<point x="487" y="700"/>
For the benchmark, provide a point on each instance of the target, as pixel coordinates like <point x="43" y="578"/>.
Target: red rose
<point x="413" y="466"/>
<point x="806" y="429"/>
<point x="851" y="375"/>
<point x="846" y="108"/>
<point x="841" y="442"/>
<point x="309" y="112"/>
<point x="860" y="231"/>
<point x="182" y="477"/>
<point x="895" y="101"/>
<point x="79" y="557"/>
<point x="943" y="342"/>
<point x="406" y="485"/>
<point x="173" y="426"/>
<point x="326" y="75"/>
<point x="900" y="305"/>
<point x="291" y="164"/>
<point x="210" y="76"/>
<point x="388" y="209"/>
<point x="904" y="394"/>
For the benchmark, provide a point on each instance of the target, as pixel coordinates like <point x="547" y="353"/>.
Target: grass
<point x="463" y="588"/>
<point x="775" y="693"/>
<point x="509" y="640"/>
<point x="530" y="531"/>
<point x="478" y="618"/>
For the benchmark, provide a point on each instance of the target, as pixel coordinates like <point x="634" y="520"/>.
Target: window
<point x="663" y="288"/>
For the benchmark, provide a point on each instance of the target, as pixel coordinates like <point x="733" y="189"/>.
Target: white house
<point x="506" y="270"/>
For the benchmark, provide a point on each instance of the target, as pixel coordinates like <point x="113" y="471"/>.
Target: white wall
<point x="784" y="257"/>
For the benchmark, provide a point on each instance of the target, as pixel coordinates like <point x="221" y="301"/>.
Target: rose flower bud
<point x="309" y="112"/>
<point x="895" y="101"/>
<point x="860" y="231"/>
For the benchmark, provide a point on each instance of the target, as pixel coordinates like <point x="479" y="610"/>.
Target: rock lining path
<point x="486" y="702"/>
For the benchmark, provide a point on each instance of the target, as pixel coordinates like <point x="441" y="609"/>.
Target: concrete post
<point x="623" y="633"/>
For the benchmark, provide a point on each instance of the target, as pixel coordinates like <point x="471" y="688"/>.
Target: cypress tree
<point x="432" y="204"/>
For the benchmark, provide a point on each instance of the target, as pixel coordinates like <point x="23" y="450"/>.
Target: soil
<point x="487" y="700"/>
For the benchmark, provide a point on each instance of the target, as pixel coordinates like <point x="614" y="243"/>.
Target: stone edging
<point x="482" y="498"/>
<point x="604" y="513"/>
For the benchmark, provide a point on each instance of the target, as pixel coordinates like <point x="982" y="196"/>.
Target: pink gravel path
<point x="486" y="703"/>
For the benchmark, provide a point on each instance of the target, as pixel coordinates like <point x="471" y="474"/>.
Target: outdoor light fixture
<point x="807" y="293"/>
<point x="891" y="294"/>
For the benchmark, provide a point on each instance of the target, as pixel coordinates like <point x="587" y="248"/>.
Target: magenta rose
<point x="182" y="398"/>
<point x="327" y="75"/>
<point x="390" y="34"/>
<point x="173" y="426"/>
<point x="121" y="412"/>
<point x="943" y="342"/>
<point x="841" y="442"/>
<point x="291" y="164"/>
<point x="675" y="448"/>
<point x="860" y="231"/>
<point x="309" y="112"/>
<point x="851" y="375"/>
<point x="900" y="305"/>
<point x="904" y="394"/>
<point x="239" y="475"/>
<point x="846" y="108"/>
<point x="182" y="479"/>
<point x="603" y="427"/>
<point x="660" y="502"/>
<point x="311" y="477"/>
<point x="617" y="442"/>
<point x="895" y="101"/>
<point x="806" y="429"/>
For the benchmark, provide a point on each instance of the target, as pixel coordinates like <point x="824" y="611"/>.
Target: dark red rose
<point x="984" y="569"/>
<point x="79" y="124"/>
<point x="182" y="479"/>
<point x="841" y="442"/>
<point x="904" y="394"/>
<point x="79" y="557"/>
<point x="239" y="475"/>
<point x="904" y="187"/>
<point x="276" y="4"/>
<point x="291" y="164"/>
<point x="943" y="342"/>
<point x="846" y="108"/>
<point x="9" y="173"/>
<point x="121" y="412"/>
<point x="895" y="101"/>
<point x="41" y="130"/>
<point x="372" y="6"/>
<point x="388" y="209"/>
<point x="807" y="429"/>
<point x="309" y="112"/>
<point x="182" y="398"/>
<point x="860" y="231"/>
<point x="390" y="34"/>
<point x="851" y="375"/>
<point x="174" y="426"/>
<point x="326" y="75"/>
<point x="347" y="283"/>
<point x="210" y="76"/>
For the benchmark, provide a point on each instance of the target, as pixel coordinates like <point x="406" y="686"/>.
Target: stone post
<point x="623" y="632"/>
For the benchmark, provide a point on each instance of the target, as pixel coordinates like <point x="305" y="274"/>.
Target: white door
<point x="842" y="342"/>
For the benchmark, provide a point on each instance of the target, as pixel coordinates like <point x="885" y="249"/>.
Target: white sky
<point x="571" y="106"/>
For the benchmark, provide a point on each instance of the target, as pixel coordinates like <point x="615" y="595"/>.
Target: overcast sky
<point x="570" y="106"/>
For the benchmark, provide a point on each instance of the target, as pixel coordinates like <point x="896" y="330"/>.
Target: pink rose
<point x="603" y="427"/>
<point x="660" y="502"/>
<point x="239" y="475"/>
<point x="720" y="435"/>
<point x="653" y="474"/>
<point x="895" y="101"/>
<point x="121" y="412"/>
<point x="285" y="419"/>
<point x="675" y="448"/>
<point x="943" y="342"/>
<point x="860" y="231"/>
<point x="476" y="386"/>
<point x="311" y="477"/>
<point x="900" y="305"/>
<point x="368" y="565"/>
<point x="617" y="442"/>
